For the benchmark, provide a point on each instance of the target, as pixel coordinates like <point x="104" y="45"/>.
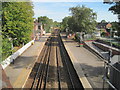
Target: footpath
<point x="88" y="66"/>
<point x="18" y="72"/>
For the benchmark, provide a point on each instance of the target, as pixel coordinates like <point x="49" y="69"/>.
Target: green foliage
<point x="103" y="21"/>
<point x="72" y="25"/>
<point x="103" y="34"/>
<point x="0" y="32"/>
<point x="6" y="48"/>
<point x="115" y="9"/>
<point x="17" y="25"/>
<point x="56" y="24"/>
<point x="0" y="47"/>
<point x="117" y="44"/>
<point x="17" y="21"/>
<point x="65" y="23"/>
<point x="115" y="26"/>
<point x="46" y="22"/>
<point x="83" y="19"/>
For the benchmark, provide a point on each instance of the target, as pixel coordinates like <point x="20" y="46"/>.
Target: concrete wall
<point x="8" y="60"/>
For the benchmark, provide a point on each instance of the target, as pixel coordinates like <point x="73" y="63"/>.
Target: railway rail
<point x="53" y="68"/>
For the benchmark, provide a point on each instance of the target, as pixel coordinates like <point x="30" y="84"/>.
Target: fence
<point x="10" y="59"/>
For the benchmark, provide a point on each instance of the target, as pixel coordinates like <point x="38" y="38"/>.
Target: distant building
<point x="35" y="28"/>
<point x="38" y="29"/>
<point x="103" y="27"/>
<point x="35" y="24"/>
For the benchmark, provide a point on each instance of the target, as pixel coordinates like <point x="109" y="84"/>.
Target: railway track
<point x="53" y="68"/>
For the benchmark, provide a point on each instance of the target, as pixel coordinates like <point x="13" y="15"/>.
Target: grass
<point x="16" y="48"/>
<point x="90" y="39"/>
<point x="113" y="43"/>
<point x="117" y="44"/>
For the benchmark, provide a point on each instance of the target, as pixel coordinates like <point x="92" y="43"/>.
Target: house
<point x="35" y="28"/>
<point x="103" y="28"/>
<point x="35" y="24"/>
<point x="38" y="29"/>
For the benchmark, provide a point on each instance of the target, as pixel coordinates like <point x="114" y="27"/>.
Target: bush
<point x="6" y="48"/>
<point x="103" y="34"/>
<point x="116" y="45"/>
<point x="77" y="37"/>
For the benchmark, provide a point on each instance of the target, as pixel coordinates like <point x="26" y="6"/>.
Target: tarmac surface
<point x="18" y="72"/>
<point x="91" y="65"/>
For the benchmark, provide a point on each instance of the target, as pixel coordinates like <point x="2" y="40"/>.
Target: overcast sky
<point x="58" y="10"/>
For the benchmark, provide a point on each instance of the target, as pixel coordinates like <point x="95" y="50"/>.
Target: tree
<point x="72" y="25"/>
<point x="65" y="23"/>
<point x="17" y="21"/>
<point x="103" y="21"/>
<point x="0" y="32"/>
<point x="46" y="22"/>
<point x="56" y="24"/>
<point x="115" y="9"/>
<point x="17" y="25"/>
<point x="84" y="18"/>
<point x="115" y="27"/>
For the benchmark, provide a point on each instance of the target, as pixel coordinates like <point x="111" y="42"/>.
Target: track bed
<point x="53" y="68"/>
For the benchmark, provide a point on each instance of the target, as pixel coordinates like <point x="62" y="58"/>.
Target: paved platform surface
<point x="91" y="65"/>
<point x="18" y="72"/>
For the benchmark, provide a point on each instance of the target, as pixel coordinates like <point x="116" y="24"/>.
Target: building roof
<point x="102" y="25"/>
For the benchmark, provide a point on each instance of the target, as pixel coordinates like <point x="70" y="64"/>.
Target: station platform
<point x="88" y="66"/>
<point x="18" y="72"/>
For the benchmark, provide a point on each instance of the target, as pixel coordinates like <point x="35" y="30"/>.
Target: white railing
<point x="10" y="59"/>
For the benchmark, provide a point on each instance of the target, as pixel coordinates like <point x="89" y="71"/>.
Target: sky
<point x="58" y="10"/>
